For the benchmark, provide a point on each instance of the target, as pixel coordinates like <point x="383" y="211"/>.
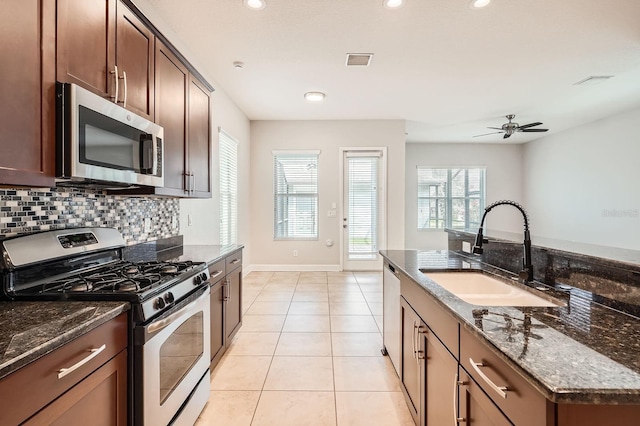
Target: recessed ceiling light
<point x="238" y="65"/>
<point x="314" y="96"/>
<point x="255" y="4"/>
<point x="392" y="4"/>
<point x="479" y="4"/>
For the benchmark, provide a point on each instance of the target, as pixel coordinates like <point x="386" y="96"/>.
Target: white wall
<point x="328" y="136"/>
<point x="504" y="181"/>
<point x="205" y="214"/>
<point x="582" y="184"/>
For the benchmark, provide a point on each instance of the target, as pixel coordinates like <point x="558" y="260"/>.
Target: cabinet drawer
<point x="39" y="380"/>
<point x="217" y="271"/>
<point x="443" y="325"/>
<point x="522" y="403"/>
<point x="233" y="261"/>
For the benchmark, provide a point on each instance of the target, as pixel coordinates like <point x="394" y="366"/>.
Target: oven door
<point x="172" y="356"/>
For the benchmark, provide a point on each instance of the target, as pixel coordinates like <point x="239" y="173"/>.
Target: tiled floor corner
<point x="308" y="353"/>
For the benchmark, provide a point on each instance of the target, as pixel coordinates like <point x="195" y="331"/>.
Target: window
<point x="228" y="148"/>
<point x="450" y="198"/>
<point x="295" y="189"/>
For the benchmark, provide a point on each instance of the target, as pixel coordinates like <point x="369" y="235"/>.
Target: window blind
<point x="450" y="198"/>
<point x="363" y="207"/>
<point x="295" y="178"/>
<point x="228" y="153"/>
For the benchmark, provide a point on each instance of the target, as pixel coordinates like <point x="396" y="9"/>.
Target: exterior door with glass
<point x="364" y="200"/>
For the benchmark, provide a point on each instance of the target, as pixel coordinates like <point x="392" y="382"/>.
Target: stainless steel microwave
<point x="102" y="144"/>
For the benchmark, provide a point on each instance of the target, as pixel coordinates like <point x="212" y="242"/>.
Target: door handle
<point x="456" y="384"/>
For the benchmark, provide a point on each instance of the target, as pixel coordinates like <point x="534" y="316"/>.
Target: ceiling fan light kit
<point x="512" y="127"/>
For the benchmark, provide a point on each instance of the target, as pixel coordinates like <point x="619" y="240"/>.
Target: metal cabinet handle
<point x="229" y="289"/>
<point x="456" y="385"/>
<point x="500" y="390"/>
<point x="93" y="353"/>
<point x="124" y="77"/>
<point x="413" y="339"/>
<point x="234" y="261"/>
<point x="115" y="75"/>
<point x="217" y="273"/>
<point x="193" y="182"/>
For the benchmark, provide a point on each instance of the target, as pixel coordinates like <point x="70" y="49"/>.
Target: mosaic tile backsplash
<point x="24" y="211"/>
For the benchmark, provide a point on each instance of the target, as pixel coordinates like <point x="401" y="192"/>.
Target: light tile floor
<point x="308" y="353"/>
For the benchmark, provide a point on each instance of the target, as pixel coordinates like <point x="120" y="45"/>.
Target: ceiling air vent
<point x="358" y="59"/>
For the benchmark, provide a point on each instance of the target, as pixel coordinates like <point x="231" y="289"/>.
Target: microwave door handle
<point x="154" y="152"/>
<point x="146" y="149"/>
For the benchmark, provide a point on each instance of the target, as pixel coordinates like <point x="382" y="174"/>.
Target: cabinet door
<point x="99" y="399"/>
<point x="86" y="44"/>
<point x="170" y="103"/>
<point x="199" y="147"/>
<point x="475" y="406"/>
<point x="27" y="84"/>
<point x="135" y="51"/>
<point x="412" y="361"/>
<point x="233" y="308"/>
<point x="441" y="382"/>
<point x="217" y="322"/>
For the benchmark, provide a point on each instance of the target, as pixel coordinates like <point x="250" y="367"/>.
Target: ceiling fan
<point x="511" y="127"/>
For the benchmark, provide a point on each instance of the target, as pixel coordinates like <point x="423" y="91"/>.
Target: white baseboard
<point x="295" y="268"/>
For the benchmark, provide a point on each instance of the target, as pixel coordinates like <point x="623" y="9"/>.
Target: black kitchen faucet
<point x="527" y="271"/>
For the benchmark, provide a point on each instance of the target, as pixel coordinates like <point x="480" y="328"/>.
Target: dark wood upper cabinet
<point x="27" y="84"/>
<point x="135" y="50"/>
<point x="171" y="103"/>
<point x="86" y="35"/>
<point x="199" y="147"/>
<point x="105" y="48"/>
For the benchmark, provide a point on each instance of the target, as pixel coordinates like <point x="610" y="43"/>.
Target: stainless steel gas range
<point x="170" y="331"/>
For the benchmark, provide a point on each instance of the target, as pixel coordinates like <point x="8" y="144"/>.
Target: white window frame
<point x="448" y="197"/>
<point x="228" y="163"/>
<point x="282" y="199"/>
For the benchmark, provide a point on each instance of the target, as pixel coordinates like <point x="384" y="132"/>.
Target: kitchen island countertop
<point x="582" y="353"/>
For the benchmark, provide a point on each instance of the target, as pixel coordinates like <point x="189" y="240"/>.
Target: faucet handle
<point x="523" y="275"/>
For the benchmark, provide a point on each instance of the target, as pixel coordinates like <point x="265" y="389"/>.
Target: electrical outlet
<point x="147" y="225"/>
<point x="295" y="253"/>
<point x="466" y="247"/>
<point x="189" y="220"/>
<point x="174" y="221"/>
<point x="331" y="213"/>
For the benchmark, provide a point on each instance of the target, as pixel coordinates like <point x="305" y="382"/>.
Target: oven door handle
<point x="164" y="323"/>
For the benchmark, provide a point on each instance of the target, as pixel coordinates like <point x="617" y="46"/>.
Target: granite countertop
<point x="29" y="330"/>
<point x="197" y="253"/>
<point x="582" y="352"/>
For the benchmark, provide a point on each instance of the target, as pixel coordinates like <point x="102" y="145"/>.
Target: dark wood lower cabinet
<point x="226" y="303"/>
<point x="99" y="399"/>
<point x="233" y="315"/>
<point x="476" y="408"/>
<point x="441" y="381"/>
<point x="412" y="367"/>
<point x="217" y="321"/>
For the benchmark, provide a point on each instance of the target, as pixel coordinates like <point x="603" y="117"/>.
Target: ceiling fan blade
<point x="506" y="135"/>
<point x="497" y="128"/>
<point x="532" y="130"/>
<point x="486" y="134"/>
<point x="530" y="125"/>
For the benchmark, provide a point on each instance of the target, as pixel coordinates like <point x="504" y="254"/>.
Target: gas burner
<point x="131" y="269"/>
<point x="79" y="286"/>
<point x="169" y="269"/>
<point x="127" y="285"/>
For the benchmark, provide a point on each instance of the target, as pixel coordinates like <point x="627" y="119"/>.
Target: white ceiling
<point x="447" y="69"/>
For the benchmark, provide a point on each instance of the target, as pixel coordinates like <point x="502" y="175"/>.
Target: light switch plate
<point x="466" y="247"/>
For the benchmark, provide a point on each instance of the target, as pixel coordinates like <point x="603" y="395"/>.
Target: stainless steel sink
<point x="480" y="289"/>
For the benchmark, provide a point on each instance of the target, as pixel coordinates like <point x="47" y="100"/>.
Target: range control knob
<point x="159" y="303"/>
<point x="204" y="276"/>
<point x="169" y="298"/>
<point x="197" y="280"/>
